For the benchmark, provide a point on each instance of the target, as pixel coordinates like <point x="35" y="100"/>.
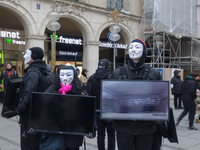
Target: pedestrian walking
<point x="135" y="135"/>
<point x="93" y="89"/>
<point x="188" y="90"/>
<point x="176" y="83"/>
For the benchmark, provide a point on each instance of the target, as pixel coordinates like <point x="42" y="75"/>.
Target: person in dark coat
<point x="93" y="89"/>
<point x="176" y="88"/>
<point x="188" y="91"/>
<point x="135" y="135"/>
<point x="8" y="73"/>
<point x="30" y="83"/>
<point x="66" y="82"/>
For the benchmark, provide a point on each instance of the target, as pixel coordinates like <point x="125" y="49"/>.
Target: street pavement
<point x="188" y="139"/>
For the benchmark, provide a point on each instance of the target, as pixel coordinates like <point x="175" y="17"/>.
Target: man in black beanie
<point x="30" y="83"/>
<point x="93" y="88"/>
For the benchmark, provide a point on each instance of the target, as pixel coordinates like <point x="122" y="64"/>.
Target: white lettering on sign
<point x="108" y="44"/>
<point x="18" y="42"/>
<point x="68" y="53"/>
<point x="8" y="34"/>
<point x="70" y="41"/>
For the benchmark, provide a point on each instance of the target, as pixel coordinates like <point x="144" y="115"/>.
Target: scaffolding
<point x="169" y="30"/>
<point x="166" y="51"/>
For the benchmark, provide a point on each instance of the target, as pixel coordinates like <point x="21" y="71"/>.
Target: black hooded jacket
<point x="176" y="83"/>
<point x="136" y="71"/>
<point x="94" y="82"/>
<point x="8" y="73"/>
<point x="30" y="83"/>
<point x="188" y="89"/>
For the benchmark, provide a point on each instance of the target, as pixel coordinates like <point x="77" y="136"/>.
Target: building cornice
<point x="16" y="2"/>
<point x="77" y="8"/>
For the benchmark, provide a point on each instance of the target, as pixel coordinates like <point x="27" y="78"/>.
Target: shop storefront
<point x="106" y="50"/>
<point x="12" y="46"/>
<point x="69" y="49"/>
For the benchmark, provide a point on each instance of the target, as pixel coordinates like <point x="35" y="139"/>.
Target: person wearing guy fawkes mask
<point x="135" y="135"/>
<point x="66" y="82"/>
<point x="30" y="83"/>
<point x="93" y="89"/>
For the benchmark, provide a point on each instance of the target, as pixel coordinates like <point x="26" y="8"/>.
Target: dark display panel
<point x="134" y="100"/>
<point x="10" y="97"/>
<point x="65" y="114"/>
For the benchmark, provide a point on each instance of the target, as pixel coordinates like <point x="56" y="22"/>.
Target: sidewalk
<point x="188" y="140"/>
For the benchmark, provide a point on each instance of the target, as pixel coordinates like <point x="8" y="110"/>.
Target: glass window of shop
<point x="12" y="46"/>
<point x="69" y="49"/>
<point x="106" y="49"/>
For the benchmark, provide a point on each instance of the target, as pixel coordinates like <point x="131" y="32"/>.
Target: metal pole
<point x="53" y="52"/>
<point x="114" y="58"/>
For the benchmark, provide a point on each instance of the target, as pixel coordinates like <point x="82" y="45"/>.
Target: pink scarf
<point x="64" y="89"/>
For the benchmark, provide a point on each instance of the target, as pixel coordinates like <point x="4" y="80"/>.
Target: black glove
<point x="32" y="131"/>
<point x="9" y="114"/>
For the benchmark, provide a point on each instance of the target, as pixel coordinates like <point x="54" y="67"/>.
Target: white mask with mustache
<point x="66" y="76"/>
<point x="135" y="50"/>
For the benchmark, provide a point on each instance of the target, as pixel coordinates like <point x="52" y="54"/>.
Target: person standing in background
<point x="176" y="83"/>
<point x="83" y="78"/>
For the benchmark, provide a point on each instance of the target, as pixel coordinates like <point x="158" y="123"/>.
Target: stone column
<point x="90" y="56"/>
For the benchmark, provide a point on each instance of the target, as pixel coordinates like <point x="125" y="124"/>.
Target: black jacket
<point x="71" y="141"/>
<point x="136" y="72"/>
<point x="30" y="83"/>
<point x="188" y="89"/>
<point x="177" y="82"/>
<point x="5" y="76"/>
<point x="94" y="82"/>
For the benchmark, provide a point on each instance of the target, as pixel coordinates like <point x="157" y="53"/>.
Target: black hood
<point x="39" y="64"/>
<point x="176" y="73"/>
<point x="11" y="66"/>
<point x="102" y="73"/>
<point x="83" y="72"/>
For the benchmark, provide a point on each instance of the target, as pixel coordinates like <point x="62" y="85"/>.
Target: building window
<point x="122" y="5"/>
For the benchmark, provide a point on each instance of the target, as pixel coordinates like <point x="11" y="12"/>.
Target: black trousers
<point x="101" y="127"/>
<point x="176" y="97"/>
<point x="28" y="141"/>
<point x="134" y="142"/>
<point x="191" y="108"/>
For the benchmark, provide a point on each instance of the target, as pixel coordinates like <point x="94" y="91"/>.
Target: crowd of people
<point x="130" y="134"/>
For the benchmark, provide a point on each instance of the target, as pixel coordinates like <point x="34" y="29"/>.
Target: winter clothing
<point x="103" y="63"/>
<point x="65" y="89"/>
<point x="83" y="78"/>
<point x="8" y="73"/>
<point x="36" y="53"/>
<point x="30" y="83"/>
<point x="130" y="134"/>
<point x="177" y="82"/>
<point x="188" y="90"/>
<point x="71" y="141"/>
<point x="93" y="89"/>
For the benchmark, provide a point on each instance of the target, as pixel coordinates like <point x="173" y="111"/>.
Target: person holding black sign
<point x="135" y="134"/>
<point x="66" y="82"/>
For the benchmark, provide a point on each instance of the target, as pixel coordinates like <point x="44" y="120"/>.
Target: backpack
<point x="44" y="80"/>
<point x="145" y="73"/>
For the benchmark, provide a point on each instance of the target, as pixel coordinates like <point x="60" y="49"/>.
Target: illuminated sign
<point x="68" y="53"/>
<point x="8" y="34"/>
<point x="15" y="42"/>
<point x="70" y="41"/>
<point x="110" y="45"/>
